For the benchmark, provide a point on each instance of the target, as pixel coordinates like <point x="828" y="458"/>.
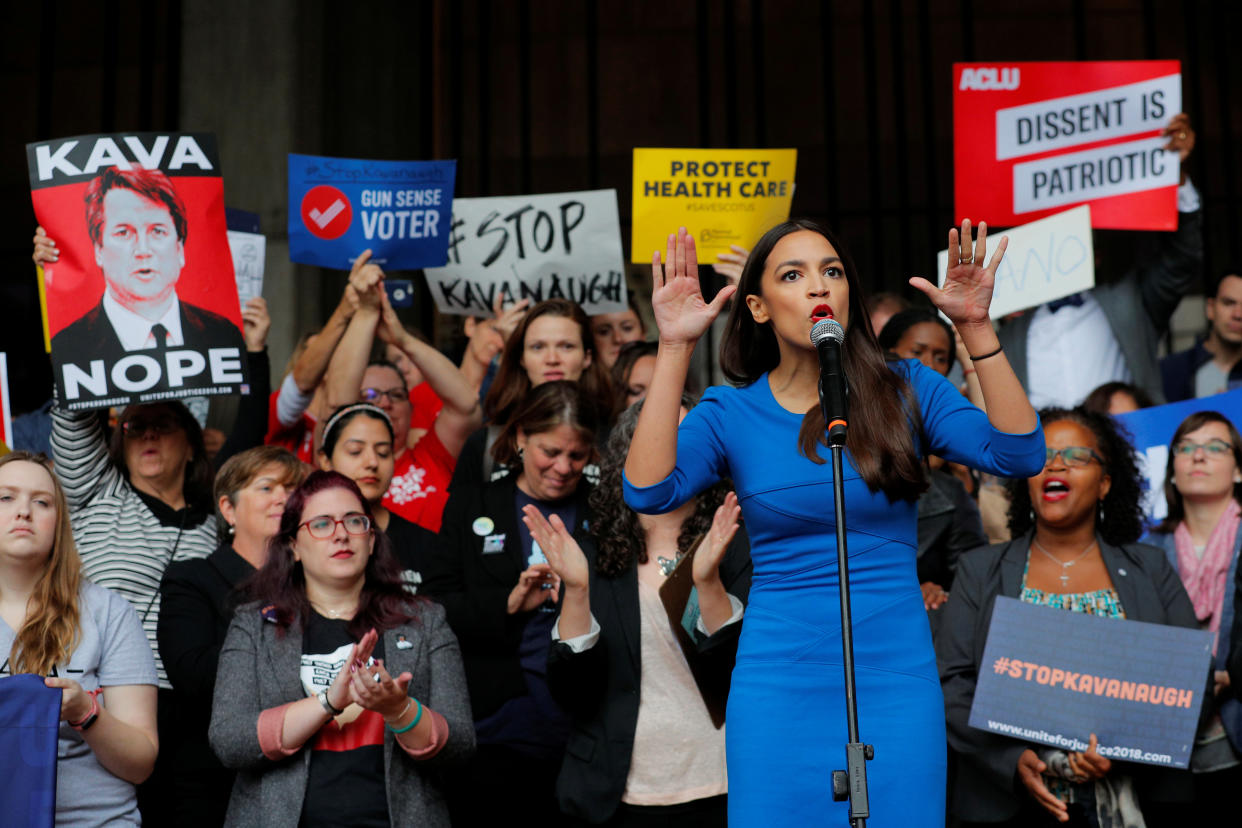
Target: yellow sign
<point x="722" y="196"/>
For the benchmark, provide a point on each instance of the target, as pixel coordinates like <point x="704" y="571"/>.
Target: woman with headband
<point x="358" y="443"/>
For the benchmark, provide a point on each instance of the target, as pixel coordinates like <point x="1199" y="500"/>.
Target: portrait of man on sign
<point x="138" y="228"/>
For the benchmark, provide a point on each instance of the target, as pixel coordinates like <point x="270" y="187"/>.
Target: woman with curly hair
<point x="658" y="753"/>
<point x="1075" y="527"/>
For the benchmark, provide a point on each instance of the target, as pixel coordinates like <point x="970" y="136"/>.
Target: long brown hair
<point x="1196" y="421"/>
<point x="512" y="383"/>
<point x="882" y="405"/>
<point x="52" y="626"/>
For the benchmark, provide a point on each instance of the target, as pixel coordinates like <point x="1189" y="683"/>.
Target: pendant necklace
<point x="1065" y="565"/>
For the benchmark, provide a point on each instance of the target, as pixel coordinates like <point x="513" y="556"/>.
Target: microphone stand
<point x="850" y="783"/>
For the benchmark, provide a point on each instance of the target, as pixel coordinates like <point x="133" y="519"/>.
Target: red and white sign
<point x="1032" y="139"/>
<point x="326" y="212"/>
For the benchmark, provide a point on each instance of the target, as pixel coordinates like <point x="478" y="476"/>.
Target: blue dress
<point x="786" y="713"/>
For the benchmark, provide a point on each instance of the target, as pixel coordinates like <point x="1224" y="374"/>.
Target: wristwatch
<point x="327" y="704"/>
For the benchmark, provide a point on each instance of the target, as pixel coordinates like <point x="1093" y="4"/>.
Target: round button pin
<point x="483" y="526"/>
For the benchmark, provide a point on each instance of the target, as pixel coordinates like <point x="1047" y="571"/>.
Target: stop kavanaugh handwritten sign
<point x="1054" y="677"/>
<point x="1030" y="139"/>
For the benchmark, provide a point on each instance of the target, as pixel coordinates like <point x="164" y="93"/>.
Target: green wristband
<point x="417" y="717"/>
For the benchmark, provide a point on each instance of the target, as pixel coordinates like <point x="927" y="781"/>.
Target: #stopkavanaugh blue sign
<point x="339" y="207"/>
<point x="1054" y="677"/>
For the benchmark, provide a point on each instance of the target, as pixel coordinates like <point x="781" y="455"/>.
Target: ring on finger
<point x="964" y="260"/>
<point x="1181" y="135"/>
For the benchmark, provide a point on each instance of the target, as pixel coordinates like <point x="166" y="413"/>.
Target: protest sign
<point x="1033" y="138"/>
<point x="141" y="305"/>
<point x="555" y="245"/>
<point x="1045" y="260"/>
<point x="1055" y="677"/>
<point x="1152" y="429"/>
<point x="339" y="207"/>
<point x="249" y="250"/>
<point x="722" y="196"/>
<point x="6" y="422"/>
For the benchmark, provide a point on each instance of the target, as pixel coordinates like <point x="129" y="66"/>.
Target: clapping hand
<point x="372" y="688"/>
<point x="563" y="552"/>
<point x="367" y="280"/>
<point x="711" y="550"/>
<point x="681" y="313"/>
<point x="535" y="585"/>
<point x="967" y="290"/>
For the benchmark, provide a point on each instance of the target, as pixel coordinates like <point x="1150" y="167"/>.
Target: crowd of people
<point x="547" y="580"/>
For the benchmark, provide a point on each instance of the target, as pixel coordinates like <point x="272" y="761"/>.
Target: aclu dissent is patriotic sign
<point x="142" y="304"/>
<point x="549" y="246"/>
<point x="1044" y="260"/>
<point x="723" y="196"/>
<point x="1030" y="139"/>
<point x="339" y="207"/>
<point x="1054" y="677"/>
<point x="1151" y="429"/>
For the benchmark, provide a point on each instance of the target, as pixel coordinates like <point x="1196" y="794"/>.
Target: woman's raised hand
<point x="711" y="550"/>
<point x="677" y="301"/>
<point x="562" y="551"/>
<point x="967" y="290"/>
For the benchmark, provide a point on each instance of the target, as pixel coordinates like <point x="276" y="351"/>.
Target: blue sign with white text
<point x="400" y="210"/>
<point x="1055" y="678"/>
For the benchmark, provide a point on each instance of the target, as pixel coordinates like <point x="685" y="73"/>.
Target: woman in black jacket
<point x="500" y="598"/>
<point x="1075" y="527"/>
<point x="198" y="598"/>
<point x="646" y="695"/>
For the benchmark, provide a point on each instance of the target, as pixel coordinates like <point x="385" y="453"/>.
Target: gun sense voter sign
<point x="399" y="210"/>
<point x="1031" y="139"/>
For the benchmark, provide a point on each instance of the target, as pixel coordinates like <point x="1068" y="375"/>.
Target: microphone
<point x="827" y="336"/>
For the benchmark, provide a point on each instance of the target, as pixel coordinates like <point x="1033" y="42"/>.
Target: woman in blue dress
<point x="786" y="727"/>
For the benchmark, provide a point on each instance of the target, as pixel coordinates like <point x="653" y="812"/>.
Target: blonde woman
<point x="85" y="639"/>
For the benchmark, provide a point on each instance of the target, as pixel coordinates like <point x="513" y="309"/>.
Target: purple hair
<point x="280" y="585"/>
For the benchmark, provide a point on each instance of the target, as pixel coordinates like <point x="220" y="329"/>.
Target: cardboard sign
<point x="1152" y="429"/>
<point x="249" y="250"/>
<point x="339" y="207"/>
<point x="138" y="219"/>
<point x="556" y="245"/>
<point x="1033" y="138"/>
<point x="6" y="422"/>
<point x="1055" y="677"/>
<point x="1045" y="260"/>
<point x="722" y="196"/>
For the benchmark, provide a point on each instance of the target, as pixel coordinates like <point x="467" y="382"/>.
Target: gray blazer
<point x="1139" y="306"/>
<point x="260" y="669"/>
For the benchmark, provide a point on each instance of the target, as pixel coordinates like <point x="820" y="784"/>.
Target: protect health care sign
<point x="1030" y="139"/>
<point x="722" y="196"/>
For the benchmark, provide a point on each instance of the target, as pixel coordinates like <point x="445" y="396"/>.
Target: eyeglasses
<point x="1215" y="448"/>
<point x="1072" y="455"/>
<point x="394" y="395"/>
<point x="324" y="527"/>
<point x="137" y="428"/>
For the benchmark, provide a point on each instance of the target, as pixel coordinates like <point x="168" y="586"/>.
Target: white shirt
<point x="1070" y="353"/>
<point x="134" y="331"/>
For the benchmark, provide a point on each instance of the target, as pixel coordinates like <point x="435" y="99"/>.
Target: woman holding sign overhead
<point x="1074" y="529"/>
<point x="786" y="715"/>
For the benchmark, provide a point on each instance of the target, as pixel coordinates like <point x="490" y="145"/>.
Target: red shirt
<point x="425" y="406"/>
<point x="420" y="482"/>
<point x="298" y="438"/>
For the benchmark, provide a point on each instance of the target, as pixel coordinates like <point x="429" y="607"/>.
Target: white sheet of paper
<point x="1045" y="260"/>
<point x="249" y="250"/>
